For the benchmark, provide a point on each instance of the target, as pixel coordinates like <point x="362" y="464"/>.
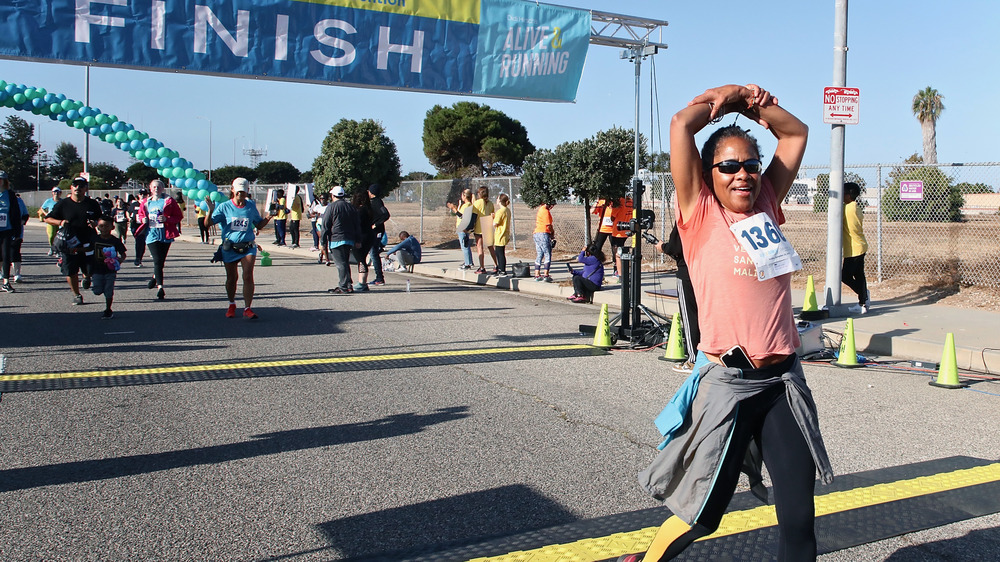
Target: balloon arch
<point x="108" y="128"/>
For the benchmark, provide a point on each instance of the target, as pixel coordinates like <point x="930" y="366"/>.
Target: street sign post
<point x="841" y="105"/>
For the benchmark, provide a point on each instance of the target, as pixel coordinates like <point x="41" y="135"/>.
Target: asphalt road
<point x="377" y="462"/>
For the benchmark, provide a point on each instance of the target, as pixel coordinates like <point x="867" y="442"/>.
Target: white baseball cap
<point x="240" y="184"/>
<point x="338" y="191"/>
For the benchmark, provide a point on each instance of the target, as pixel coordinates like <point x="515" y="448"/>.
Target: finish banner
<point x="498" y="48"/>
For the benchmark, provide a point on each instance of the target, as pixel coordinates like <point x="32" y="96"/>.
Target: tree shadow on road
<point x="258" y="445"/>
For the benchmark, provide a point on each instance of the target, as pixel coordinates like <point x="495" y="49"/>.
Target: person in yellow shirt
<point x="483" y="229"/>
<point x="295" y="217"/>
<point x="501" y="233"/>
<point x="280" y="218"/>
<point x="545" y="239"/>
<point x="855" y="248"/>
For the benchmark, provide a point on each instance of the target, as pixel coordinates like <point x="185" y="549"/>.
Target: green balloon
<point x="89" y="121"/>
<point x="178" y="172"/>
<point x="132" y="135"/>
<point x="55" y="108"/>
<point x="191" y="173"/>
<point x="19" y="99"/>
<point x="101" y="118"/>
<point x="201" y="194"/>
<point x="67" y="105"/>
<point x="162" y="151"/>
<point x="120" y="136"/>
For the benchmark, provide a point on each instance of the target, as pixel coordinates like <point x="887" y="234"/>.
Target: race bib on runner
<point x="770" y="251"/>
<point x="239" y="224"/>
<point x="157" y="220"/>
<point x="120" y="216"/>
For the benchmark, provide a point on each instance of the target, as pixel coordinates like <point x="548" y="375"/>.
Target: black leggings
<point x="293" y="229"/>
<point x="7" y="251"/>
<point x="501" y="252"/>
<point x="202" y="229"/>
<point x="853" y="275"/>
<point x="585" y="287"/>
<point x="768" y="418"/>
<point x="158" y="251"/>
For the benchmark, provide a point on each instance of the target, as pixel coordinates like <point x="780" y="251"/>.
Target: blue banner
<point x="499" y="48"/>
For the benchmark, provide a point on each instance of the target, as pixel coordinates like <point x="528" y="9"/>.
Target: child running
<point x="108" y="257"/>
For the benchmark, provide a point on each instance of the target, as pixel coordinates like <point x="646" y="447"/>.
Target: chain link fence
<point x="944" y="229"/>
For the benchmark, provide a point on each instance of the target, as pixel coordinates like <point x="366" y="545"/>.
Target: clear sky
<point x="896" y="48"/>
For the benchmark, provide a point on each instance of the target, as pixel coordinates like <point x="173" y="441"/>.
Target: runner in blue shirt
<point x="238" y="218"/>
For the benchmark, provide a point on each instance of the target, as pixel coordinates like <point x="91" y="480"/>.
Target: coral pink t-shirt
<point x="734" y="308"/>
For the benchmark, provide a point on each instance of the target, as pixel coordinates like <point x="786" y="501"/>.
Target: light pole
<point x="209" y="144"/>
<point x="39" y="154"/>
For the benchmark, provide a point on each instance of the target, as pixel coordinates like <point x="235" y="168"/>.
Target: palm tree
<point x="927" y="106"/>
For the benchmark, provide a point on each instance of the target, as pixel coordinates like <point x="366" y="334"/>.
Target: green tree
<point x="535" y="187"/>
<point x="225" y="175"/>
<point x="274" y="171"/>
<point x="356" y="154"/>
<point x="306" y="177"/>
<point x="941" y="202"/>
<point x="142" y="173"/>
<point x="970" y="188"/>
<point x="66" y="156"/>
<point x="927" y="106"/>
<point x="418" y="176"/>
<point x="822" y="198"/>
<point x="17" y="152"/>
<point x="473" y="140"/>
<point x="105" y="176"/>
<point x="659" y="162"/>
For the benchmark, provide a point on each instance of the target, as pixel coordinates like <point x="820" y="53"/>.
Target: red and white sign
<point x="841" y="105"/>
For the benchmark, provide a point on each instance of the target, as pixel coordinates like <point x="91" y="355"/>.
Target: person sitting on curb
<point x="587" y="281"/>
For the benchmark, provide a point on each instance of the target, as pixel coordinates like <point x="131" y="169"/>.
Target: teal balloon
<point x="201" y="194"/>
<point x="120" y="136"/>
<point x="178" y="172"/>
<point x="149" y="153"/>
<point x="133" y="135"/>
<point x="89" y="121"/>
<point x="30" y="93"/>
<point x="218" y="197"/>
<point x="101" y="118"/>
<point x="191" y="173"/>
<point x="162" y="152"/>
<point x="19" y="99"/>
<point x="55" y="108"/>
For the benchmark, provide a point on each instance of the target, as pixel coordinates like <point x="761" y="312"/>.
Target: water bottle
<point x="407" y="285"/>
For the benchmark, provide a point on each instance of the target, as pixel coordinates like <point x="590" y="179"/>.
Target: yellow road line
<point x="599" y="548"/>
<point x="285" y="363"/>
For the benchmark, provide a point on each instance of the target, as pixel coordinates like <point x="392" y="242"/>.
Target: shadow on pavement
<point x="259" y="445"/>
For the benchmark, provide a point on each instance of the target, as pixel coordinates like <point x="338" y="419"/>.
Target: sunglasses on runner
<point x="752" y="166"/>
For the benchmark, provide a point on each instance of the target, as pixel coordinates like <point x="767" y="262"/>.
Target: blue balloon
<point x="38" y="102"/>
<point x="117" y="126"/>
<point x="147" y="143"/>
<point x="201" y="184"/>
<point x="105" y="128"/>
<point x="94" y="131"/>
<point x="163" y="162"/>
<point x="60" y="117"/>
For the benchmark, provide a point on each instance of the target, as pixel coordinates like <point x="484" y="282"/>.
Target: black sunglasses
<point x="752" y="166"/>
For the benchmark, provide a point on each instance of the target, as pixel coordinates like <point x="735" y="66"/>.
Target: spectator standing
<point x="362" y="249"/>
<point x="545" y="239"/>
<point x="138" y="228"/>
<point x="588" y="280"/>
<point x="80" y="213"/>
<point x="379" y="217"/>
<point x="238" y="218"/>
<point x="340" y="221"/>
<point x="295" y="217"/>
<point x="484" y="220"/>
<point x="280" y="213"/>
<point x="622" y="213"/>
<point x="162" y="217"/>
<point x="855" y="248"/>
<point x="201" y="212"/>
<point x="407" y="252"/>
<point x="464" y="236"/>
<point x="119" y="214"/>
<point x="315" y="212"/>
<point x="44" y="210"/>
<point x="501" y="232"/>
<point x="109" y="252"/>
<point x="674" y="248"/>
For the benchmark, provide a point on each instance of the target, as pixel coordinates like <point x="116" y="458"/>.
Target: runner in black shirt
<point x="80" y="213"/>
